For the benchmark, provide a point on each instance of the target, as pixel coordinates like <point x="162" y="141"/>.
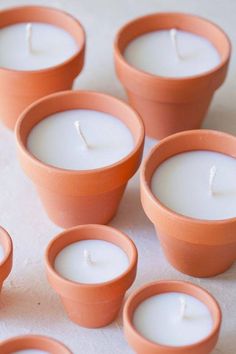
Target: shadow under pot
<point x="171" y="317"/>
<point x="42" y="51"/>
<point x="6" y="255"/>
<point x="33" y="343"/>
<point x="170" y="65"/>
<point x="91" y="267"/>
<point x="80" y="149"/>
<point x="188" y="191"/>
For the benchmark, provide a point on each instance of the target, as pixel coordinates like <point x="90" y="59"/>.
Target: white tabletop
<point x="27" y="304"/>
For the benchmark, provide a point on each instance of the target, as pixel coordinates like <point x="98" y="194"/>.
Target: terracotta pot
<point x="142" y="345"/>
<point x="196" y="247"/>
<point x="33" y="342"/>
<point x="6" y="263"/>
<point x="91" y="305"/>
<point x="170" y="105"/>
<point x="79" y="197"/>
<point x="21" y="88"/>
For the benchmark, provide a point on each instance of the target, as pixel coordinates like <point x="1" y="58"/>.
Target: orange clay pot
<point x="21" y="88"/>
<point x="91" y="305"/>
<point x="33" y="342"/>
<point x="74" y="197"/>
<point x="6" y="263"/>
<point x="142" y="345"/>
<point x="196" y="247"/>
<point x="170" y="105"/>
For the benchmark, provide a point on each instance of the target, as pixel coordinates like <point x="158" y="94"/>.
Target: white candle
<point x="34" y="46"/>
<point x="91" y="261"/>
<point x="173" y="319"/>
<point x="199" y="184"/>
<point x="2" y="253"/>
<point x="172" y="54"/>
<point x="56" y="140"/>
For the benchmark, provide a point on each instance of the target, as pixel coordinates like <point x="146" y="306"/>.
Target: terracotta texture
<point x="142" y="345"/>
<point x="6" y="263"/>
<point x="91" y="305"/>
<point x="42" y="82"/>
<point x="33" y="342"/>
<point x="196" y="247"/>
<point x="170" y="105"/>
<point x="79" y="197"/>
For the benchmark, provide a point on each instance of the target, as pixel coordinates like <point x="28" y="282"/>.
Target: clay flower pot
<point x="196" y="247"/>
<point x="169" y="105"/>
<point x="33" y="342"/>
<point x="21" y="88"/>
<point x="91" y="305"/>
<point x="6" y="263"/>
<point x="142" y="345"/>
<point x="88" y="196"/>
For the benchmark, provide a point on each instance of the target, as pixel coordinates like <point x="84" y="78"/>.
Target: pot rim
<point x="44" y="340"/>
<point x="78" y="53"/>
<point x="147" y="188"/>
<point x="32" y="159"/>
<point x="7" y="245"/>
<point x="64" y="234"/>
<point x="174" y="283"/>
<point x="148" y="76"/>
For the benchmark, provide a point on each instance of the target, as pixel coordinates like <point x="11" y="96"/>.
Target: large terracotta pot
<point x="18" y="88"/>
<point x="6" y="263"/>
<point x="142" y="345"/>
<point x="196" y="247"/>
<point x="169" y="105"/>
<point x="79" y="197"/>
<point x="91" y="305"/>
<point x="33" y="342"/>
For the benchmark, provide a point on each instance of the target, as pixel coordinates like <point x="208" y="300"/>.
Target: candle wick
<point x="81" y="135"/>
<point x="183" y="306"/>
<point x="87" y="257"/>
<point x="173" y="36"/>
<point x="29" y="37"/>
<point x="212" y="179"/>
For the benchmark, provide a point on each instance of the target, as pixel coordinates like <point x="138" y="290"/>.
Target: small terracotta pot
<point x="43" y="343"/>
<point x="196" y="247"/>
<point x="91" y="305"/>
<point x="6" y="263"/>
<point x="80" y="197"/>
<point x="142" y="345"/>
<point x="170" y="105"/>
<point x="21" y="88"/>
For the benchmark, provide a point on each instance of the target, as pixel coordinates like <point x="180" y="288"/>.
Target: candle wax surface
<point x="56" y="142"/>
<point x="2" y="253"/>
<point x="181" y="183"/>
<point x="108" y="262"/>
<point x="51" y="46"/>
<point x="154" y="53"/>
<point x="158" y="319"/>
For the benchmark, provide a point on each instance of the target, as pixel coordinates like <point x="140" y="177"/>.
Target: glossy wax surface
<point x="51" y="46"/>
<point x="181" y="183"/>
<point x="56" y="142"/>
<point x="154" y="53"/>
<point x="159" y="319"/>
<point x="107" y="261"/>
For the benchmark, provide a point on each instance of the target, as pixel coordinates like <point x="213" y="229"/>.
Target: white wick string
<point x="87" y="257"/>
<point x="81" y="135"/>
<point x="173" y="36"/>
<point x="212" y="179"/>
<point x="183" y="306"/>
<point x="29" y="37"/>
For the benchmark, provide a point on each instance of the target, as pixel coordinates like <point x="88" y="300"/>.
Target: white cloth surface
<point x="27" y="304"/>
